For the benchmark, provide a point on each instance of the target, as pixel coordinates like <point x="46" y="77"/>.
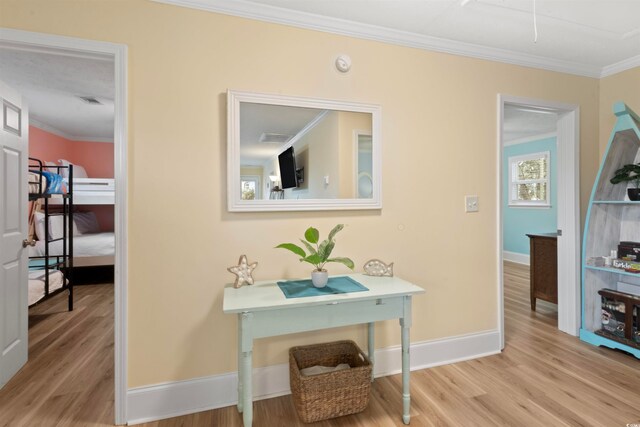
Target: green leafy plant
<point x="319" y="252"/>
<point x="629" y="172"/>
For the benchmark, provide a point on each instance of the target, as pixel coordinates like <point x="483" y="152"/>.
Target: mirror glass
<point x="290" y="153"/>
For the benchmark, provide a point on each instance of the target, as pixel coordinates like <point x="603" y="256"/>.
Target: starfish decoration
<point x="243" y="272"/>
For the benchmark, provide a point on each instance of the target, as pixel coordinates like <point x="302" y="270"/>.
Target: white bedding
<point x="84" y="245"/>
<point x="36" y="283"/>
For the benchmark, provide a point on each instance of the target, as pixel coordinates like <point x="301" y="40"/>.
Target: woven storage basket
<point x="332" y="394"/>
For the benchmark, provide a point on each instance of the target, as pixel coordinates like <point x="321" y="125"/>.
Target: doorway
<point x="117" y="54"/>
<point x="566" y="117"/>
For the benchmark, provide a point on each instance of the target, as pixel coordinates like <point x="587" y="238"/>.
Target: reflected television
<point x="287" y="162"/>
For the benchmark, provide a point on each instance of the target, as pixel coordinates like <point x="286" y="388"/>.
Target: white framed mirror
<point x="287" y="153"/>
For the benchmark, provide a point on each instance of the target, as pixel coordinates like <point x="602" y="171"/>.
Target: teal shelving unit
<point x="611" y="218"/>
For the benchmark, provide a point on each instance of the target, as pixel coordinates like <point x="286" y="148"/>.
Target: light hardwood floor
<point x="543" y="378"/>
<point x="68" y="380"/>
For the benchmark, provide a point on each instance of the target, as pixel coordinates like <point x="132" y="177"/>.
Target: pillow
<point x="39" y="225"/>
<point x="56" y="223"/>
<point x="64" y="171"/>
<point x="78" y="171"/>
<point x="56" y="226"/>
<point x="85" y="223"/>
<point x="51" y="167"/>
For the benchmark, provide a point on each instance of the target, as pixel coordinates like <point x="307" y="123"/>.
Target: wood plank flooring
<point x="68" y="380"/>
<point x="543" y="378"/>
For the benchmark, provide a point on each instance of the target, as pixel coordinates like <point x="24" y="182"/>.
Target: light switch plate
<point x="471" y="204"/>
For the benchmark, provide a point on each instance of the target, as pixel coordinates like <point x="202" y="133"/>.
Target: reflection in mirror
<point x="289" y="153"/>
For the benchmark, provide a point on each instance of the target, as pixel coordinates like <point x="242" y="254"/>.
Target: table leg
<point x="405" y="324"/>
<point x="245" y="377"/>
<point x="240" y="370"/>
<point x="372" y="349"/>
<point x="247" y="414"/>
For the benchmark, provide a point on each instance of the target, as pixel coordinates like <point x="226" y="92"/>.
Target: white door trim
<point x="118" y="53"/>
<point x="568" y="210"/>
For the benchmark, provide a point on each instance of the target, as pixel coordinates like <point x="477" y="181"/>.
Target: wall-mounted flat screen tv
<point x="287" y="161"/>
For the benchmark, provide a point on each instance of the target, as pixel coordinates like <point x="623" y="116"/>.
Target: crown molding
<point x="66" y="46"/>
<point x="54" y="130"/>
<point x="621" y="66"/>
<point x="261" y="12"/>
<point x="531" y="138"/>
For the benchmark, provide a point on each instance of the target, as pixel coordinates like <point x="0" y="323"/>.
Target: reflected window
<point x="250" y="187"/>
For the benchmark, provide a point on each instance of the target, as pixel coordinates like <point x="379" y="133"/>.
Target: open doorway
<point x="538" y="195"/>
<point x="61" y="52"/>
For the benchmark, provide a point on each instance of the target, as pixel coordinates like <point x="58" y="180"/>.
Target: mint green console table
<point x="264" y="311"/>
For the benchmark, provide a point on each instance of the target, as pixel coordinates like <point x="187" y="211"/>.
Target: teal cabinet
<point x="611" y="218"/>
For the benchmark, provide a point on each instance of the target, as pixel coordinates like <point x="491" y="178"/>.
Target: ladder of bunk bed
<point x="67" y="237"/>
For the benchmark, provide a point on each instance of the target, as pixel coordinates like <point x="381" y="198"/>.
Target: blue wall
<point x="518" y="221"/>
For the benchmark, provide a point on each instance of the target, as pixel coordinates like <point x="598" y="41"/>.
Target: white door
<point x="13" y="230"/>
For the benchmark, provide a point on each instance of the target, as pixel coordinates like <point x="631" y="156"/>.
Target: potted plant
<point x="319" y="253"/>
<point x="629" y="172"/>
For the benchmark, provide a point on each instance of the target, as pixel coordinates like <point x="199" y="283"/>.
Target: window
<point x="250" y="187"/>
<point x="529" y="180"/>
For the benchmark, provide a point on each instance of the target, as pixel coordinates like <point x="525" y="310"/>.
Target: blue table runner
<point x="304" y="288"/>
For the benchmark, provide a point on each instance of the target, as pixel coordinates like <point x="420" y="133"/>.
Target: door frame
<point x="568" y="192"/>
<point x="49" y="43"/>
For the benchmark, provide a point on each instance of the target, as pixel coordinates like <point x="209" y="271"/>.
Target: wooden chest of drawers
<point x="544" y="267"/>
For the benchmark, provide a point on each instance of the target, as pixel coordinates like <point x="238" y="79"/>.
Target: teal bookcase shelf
<point x="611" y="218"/>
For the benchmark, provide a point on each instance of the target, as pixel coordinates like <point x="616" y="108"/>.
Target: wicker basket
<point x="332" y="394"/>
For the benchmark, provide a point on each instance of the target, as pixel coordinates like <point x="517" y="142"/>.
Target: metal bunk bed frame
<point x="63" y="262"/>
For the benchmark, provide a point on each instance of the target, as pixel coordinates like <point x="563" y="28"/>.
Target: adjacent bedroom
<point x="71" y="119"/>
<point x="71" y="242"/>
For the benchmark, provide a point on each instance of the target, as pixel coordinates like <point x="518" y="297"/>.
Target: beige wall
<point x="438" y="128"/>
<point x="623" y="87"/>
<point x="321" y="145"/>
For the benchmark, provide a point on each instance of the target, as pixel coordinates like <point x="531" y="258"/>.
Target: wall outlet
<point x="471" y="204"/>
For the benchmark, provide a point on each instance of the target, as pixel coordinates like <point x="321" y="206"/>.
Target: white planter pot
<point x="320" y="278"/>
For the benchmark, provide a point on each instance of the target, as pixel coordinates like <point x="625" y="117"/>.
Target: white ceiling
<point x="523" y="123"/>
<point x="586" y="37"/>
<point x="51" y="81"/>
<point x="258" y="119"/>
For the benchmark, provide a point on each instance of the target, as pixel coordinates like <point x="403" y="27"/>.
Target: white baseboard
<point x="515" y="257"/>
<point x="150" y="403"/>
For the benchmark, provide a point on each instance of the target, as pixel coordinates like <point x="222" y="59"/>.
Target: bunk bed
<point x="94" y="247"/>
<point x="86" y="190"/>
<point x="51" y="272"/>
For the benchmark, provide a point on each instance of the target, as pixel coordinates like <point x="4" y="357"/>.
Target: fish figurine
<point x="375" y="267"/>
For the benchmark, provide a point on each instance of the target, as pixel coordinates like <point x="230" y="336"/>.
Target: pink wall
<point x="96" y="157"/>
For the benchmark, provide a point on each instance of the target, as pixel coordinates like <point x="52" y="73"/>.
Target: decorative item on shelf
<point x="243" y="272"/>
<point x="624" y="264"/>
<point x="375" y="267"/>
<point x="318" y="255"/>
<point x="629" y="251"/>
<point x="630" y="172"/>
<point x="597" y="261"/>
